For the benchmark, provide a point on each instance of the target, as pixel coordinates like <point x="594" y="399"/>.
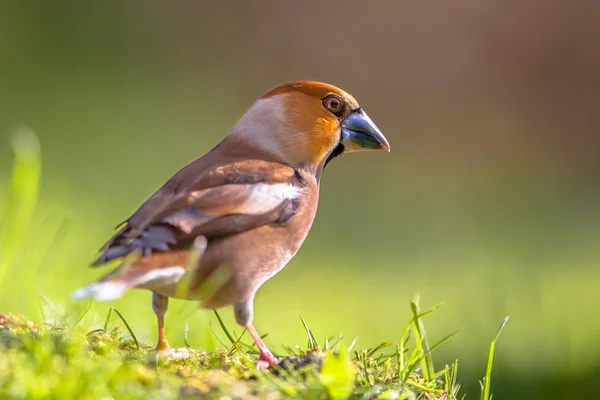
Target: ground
<point x="44" y="361"/>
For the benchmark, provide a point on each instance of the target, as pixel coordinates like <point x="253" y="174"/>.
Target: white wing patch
<point x="164" y="276"/>
<point x="262" y="198"/>
<point x="249" y="199"/>
<point x="265" y="197"/>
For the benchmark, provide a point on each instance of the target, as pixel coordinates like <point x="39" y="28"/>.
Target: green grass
<point x="70" y="354"/>
<point x="49" y="361"/>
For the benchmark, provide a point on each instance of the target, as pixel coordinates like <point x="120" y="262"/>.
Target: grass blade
<point x="312" y="343"/>
<point x="83" y="314"/>
<point x="137" y="344"/>
<point x="107" y="318"/>
<point x="216" y="335"/>
<point x="22" y="199"/>
<point x="486" y="386"/>
<point x="382" y="346"/>
<point x="421" y="340"/>
<point x="231" y="339"/>
<point x="185" y="336"/>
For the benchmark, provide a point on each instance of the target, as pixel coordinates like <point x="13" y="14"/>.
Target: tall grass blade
<point x="185" y="336"/>
<point x="421" y="341"/>
<point x="82" y="314"/>
<point x="229" y="336"/>
<point x="486" y="386"/>
<point x="22" y="199"/>
<point x="312" y="342"/>
<point x="107" y="318"/>
<point x="216" y="335"/>
<point x="137" y="344"/>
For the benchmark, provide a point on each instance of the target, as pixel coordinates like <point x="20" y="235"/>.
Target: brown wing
<point x="220" y="201"/>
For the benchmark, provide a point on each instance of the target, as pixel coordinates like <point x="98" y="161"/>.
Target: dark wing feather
<point x="219" y="202"/>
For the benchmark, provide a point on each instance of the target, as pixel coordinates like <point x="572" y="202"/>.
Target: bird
<point x="227" y="222"/>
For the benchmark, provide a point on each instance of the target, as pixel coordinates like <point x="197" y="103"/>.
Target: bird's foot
<point x="166" y="353"/>
<point x="163" y="347"/>
<point x="162" y="351"/>
<point x="266" y="360"/>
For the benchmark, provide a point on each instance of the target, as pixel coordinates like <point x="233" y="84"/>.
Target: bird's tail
<point x="116" y="283"/>
<point x="164" y="274"/>
<point x="101" y="291"/>
<point x="141" y="272"/>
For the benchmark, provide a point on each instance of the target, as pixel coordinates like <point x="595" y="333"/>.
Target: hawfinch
<point x="229" y="221"/>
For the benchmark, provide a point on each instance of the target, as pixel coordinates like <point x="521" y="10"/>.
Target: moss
<point x="43" y="361"/>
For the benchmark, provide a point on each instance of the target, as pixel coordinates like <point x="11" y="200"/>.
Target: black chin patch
<point x="339" y="149"/>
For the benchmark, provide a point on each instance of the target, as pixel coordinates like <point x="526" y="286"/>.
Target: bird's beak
<point x="359" y="133"/>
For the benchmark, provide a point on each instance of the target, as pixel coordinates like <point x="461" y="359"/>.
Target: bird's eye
<point x="333" y="104"/>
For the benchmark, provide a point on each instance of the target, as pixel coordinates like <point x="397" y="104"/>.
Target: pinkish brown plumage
<point x="252" y="200"/>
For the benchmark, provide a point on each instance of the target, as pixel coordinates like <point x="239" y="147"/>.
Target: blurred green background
<point x="489" y="200"/>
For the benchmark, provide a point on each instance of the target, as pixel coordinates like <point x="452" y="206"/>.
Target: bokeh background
<point x="488" y="202"/>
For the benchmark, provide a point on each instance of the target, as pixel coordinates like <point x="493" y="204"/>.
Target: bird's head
<point x="306" y="124"/>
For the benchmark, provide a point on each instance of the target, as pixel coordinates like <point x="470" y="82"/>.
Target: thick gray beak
<point x="359" y="133"/>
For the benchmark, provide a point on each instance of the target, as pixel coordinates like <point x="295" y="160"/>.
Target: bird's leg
<point x="243" y="314"/>
<point x="266" y="359"/>
<point x="160" y="305"/>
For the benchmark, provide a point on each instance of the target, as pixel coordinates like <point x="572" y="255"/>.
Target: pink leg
<point x="266" y="358"/>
